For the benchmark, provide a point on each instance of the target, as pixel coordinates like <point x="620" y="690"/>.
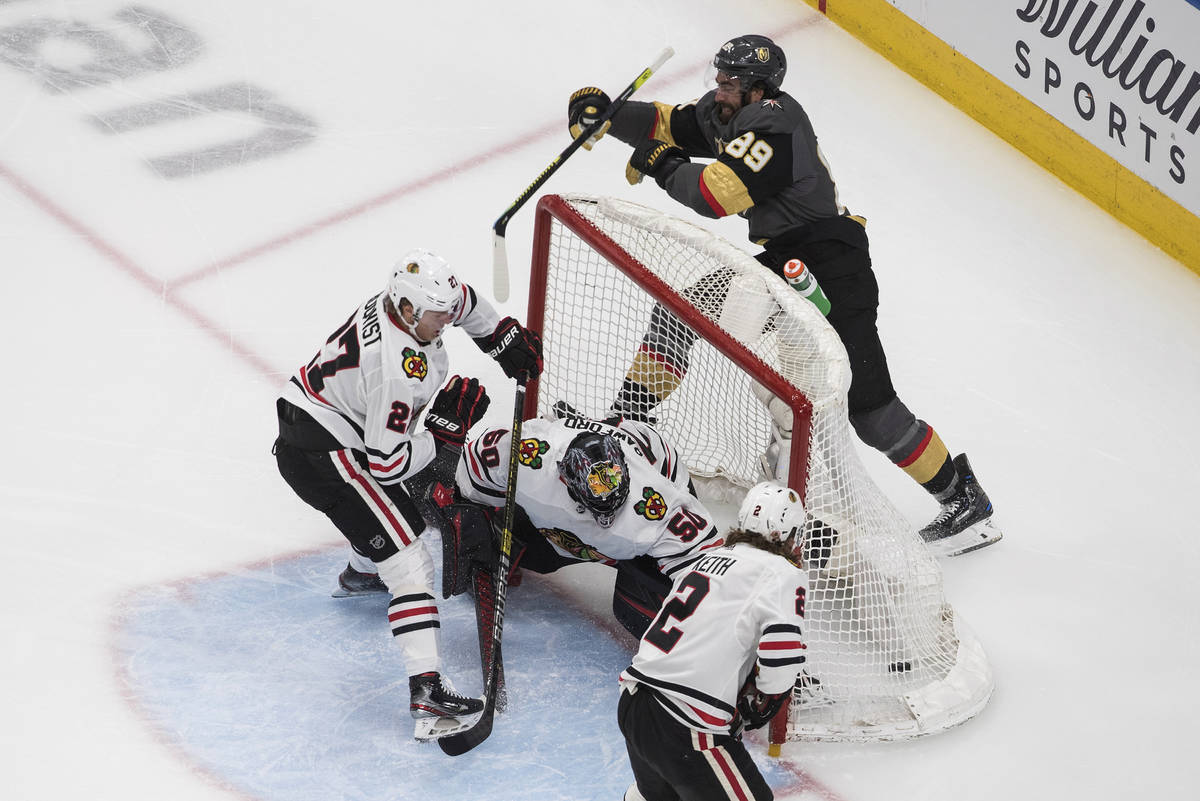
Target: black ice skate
<point x="437" y="709"/>
<point x="965" y="522"/>
<point x="352" y="583"/>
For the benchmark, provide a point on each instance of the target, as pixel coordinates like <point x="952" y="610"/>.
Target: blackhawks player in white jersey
<point x="349" y="439"/>
<point x="722" y="655"/>
<point x="594" y="491"/>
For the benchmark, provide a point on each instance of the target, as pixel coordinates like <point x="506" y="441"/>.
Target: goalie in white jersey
<point x="349" y="439"/>
<point x="594" y="491"/>
<point x="722" y="655"/>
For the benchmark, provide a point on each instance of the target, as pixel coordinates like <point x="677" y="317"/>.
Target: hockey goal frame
<point x="551" y="207"/>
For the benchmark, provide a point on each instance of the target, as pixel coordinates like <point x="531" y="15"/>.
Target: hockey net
<point x="892" y="659"/>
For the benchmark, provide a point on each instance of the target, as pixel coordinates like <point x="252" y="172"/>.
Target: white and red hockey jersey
<point x="371" y="379"/>
<point x="660" y="518"/>
<point x="733" y="609"/>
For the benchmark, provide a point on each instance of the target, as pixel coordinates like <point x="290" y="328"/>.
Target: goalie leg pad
<point x="467" y="542"/>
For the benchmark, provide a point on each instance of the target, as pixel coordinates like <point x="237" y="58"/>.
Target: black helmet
<point x="593" y="468"/>
<point x="752" y="59"/>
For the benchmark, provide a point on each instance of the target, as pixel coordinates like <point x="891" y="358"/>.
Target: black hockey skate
<point x="965" y="521"/>
<point x="351" y="583"/>
<point x="437" y="709"/>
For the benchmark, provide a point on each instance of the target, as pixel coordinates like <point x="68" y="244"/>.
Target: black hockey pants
<point x="837" y="252"/>
<point x="378" y="521"/>
<point x="672" y="762"/>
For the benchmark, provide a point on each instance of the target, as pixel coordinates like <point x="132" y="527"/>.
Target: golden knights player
<point x="767" y="167"/>
<point x="722" y="655"/>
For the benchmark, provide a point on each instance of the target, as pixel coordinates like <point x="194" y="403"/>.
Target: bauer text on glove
<point x="516" y="348"/>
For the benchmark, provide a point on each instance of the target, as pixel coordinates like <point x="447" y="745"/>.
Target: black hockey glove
<point x="583" y="109"/>
<point x="656" y="159"/>
<point x="517" y="349"/>
<point x="758" y="708"/>
<point x="457" y="407"/>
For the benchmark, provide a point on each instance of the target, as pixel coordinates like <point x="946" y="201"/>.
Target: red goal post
<point x="892" y="659"/>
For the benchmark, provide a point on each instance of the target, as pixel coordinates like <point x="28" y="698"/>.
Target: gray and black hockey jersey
<point x="768" y="168"/>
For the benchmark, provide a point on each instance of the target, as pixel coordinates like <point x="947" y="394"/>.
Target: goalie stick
<point x="462" y="742"/>
<point x="499" y="257"/>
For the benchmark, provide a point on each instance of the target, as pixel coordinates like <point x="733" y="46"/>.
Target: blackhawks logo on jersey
<point x="415" y="364"/>
<point x="652" y="506"/>
<point x="573" y="545"/>
<point x="530" y="452"/>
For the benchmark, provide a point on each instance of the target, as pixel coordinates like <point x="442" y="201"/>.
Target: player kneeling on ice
<point x="721" y="656"/>
<point x="615" y="492"/>
<point x="348" y="441"/>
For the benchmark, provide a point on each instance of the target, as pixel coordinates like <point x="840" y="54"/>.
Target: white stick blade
<point x="662" y="58"/>
<point x="499" y="269"/>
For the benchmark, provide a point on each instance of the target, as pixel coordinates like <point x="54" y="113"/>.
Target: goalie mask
<point x="597" y="478"/>
<point x="426" y="282"/>
<point x="751" y="59"/>
<point x="773" y="511"/>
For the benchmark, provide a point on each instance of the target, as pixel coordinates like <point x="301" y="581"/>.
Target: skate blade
<point x="972" y="538"/>
<point x="342" y="592"/>
<point x="433" y="728"/>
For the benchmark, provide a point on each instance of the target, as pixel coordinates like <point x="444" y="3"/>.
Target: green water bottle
<point x="803" y="281"/>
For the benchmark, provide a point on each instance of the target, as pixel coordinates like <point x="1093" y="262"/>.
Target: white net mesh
<point x="892" y="660"/>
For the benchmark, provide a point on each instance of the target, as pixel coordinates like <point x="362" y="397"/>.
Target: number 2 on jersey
<point x="678" y="608"/>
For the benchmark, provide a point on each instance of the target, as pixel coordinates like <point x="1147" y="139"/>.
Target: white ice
<point x="151" y="321"/>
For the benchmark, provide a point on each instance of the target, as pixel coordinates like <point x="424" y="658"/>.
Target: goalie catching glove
<point x="457" y="407"/>
<point x="757" y="708"/>
<point x="656" y="159"/>
<point x="584" y="109"/>
<point x="517" y="349"/>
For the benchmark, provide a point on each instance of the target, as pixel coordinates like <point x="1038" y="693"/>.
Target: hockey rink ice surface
<point x="168" y="628"/>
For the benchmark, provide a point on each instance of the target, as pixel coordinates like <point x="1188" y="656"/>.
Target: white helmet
<point x="426" y="282"/>
<point x="773" y="511"/>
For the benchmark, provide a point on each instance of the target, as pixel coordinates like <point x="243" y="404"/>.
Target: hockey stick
<point x="499" y="257"/>
<point x="463" y="742"/>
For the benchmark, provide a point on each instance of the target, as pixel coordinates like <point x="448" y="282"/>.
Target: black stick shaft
<point x="502" y="223"/>
<point x="462" y="742"/>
